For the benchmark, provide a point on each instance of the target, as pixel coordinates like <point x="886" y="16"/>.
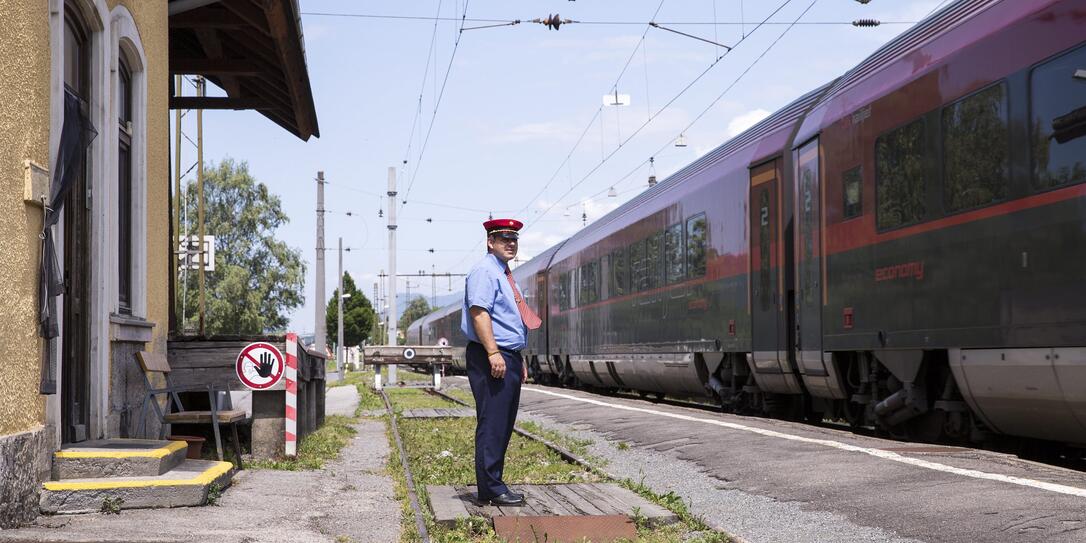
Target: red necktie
<point x="531" y="320"/>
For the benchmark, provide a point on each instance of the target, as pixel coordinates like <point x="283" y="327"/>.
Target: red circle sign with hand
<point x="259" y="366"/>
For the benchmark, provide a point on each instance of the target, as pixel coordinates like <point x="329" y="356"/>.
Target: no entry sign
<point x="259" y="366"/>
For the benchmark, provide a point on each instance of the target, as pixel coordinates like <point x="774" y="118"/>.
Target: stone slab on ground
<point x="341" y="400"/>
<point x="187" y="484"/>
<point x="769" y="480"/>
<point x="449" y="503"/>
<point x="350" y="499"/>
<point x="118" y="458"/>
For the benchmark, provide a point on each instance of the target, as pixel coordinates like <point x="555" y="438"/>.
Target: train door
<point x="768" y="334"/>
<point x="817" y="372"/>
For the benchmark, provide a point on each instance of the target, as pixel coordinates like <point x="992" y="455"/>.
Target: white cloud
<point x="541" y="131"/>
<point x="738" y="124"/>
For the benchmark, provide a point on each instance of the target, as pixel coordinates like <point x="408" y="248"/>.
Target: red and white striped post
<point x="291" y="375"/>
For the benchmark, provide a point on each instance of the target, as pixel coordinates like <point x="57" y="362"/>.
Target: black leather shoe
<point x="509" y="498"/>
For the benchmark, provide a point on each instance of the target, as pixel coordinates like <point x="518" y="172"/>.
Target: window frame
<point x="1009" y="159"/>
<point x="925" y="149"/>
<point x="703" y="268"/>
<point x="125" y="200"/>
<point x="669" y="279"/>
<point x="618" y="276"/>
<point x="655" y="269"/>
<point x="638" y="273"/>
<point x="1031" y="179"/>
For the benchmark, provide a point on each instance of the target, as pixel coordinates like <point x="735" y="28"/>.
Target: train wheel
<point x="855" y="414"/>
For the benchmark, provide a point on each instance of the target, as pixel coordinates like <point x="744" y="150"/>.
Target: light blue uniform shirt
<point x="487" y="287"/>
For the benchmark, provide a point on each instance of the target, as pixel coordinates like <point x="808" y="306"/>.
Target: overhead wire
<point x="715" y="100"/>
<point x="422" y="86"/>
<point x="588" y="126"/>
<point x="511" y="20"/>
<point x="437" y="105"/>
<point x="599" y="111"/>
<point x="665" y="106"/>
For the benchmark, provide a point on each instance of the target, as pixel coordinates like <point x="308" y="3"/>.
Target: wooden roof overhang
<point x="252" y="49"/>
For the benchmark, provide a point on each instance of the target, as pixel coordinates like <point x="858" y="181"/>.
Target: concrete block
<point x="118" y="458"/>
<point x="21" y="456"/>
<point x="184" y="486"/>
<point x="269" y="423"/>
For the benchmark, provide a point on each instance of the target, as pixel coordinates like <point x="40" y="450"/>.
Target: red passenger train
<point x="903" y="248"/>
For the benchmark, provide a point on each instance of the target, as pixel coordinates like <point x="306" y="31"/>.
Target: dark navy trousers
<point x="496" y="402"/>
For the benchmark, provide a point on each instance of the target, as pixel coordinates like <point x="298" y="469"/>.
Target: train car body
<point x="940" y="225"/>
<point x="654" y="296"/>
<point x="901" y="248"/>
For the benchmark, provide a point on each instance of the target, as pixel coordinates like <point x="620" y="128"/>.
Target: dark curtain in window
<point x="75" y="137"/>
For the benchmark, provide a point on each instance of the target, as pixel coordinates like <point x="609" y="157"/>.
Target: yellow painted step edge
<point x="218" y="469"/>
<point x="173" y="447"/>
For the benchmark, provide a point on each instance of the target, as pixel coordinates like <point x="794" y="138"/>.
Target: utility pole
<point x="377" y="309"/>
<point x="433" y="288"/>
<point x="320" y="341"/>
<point x="392" y="266"/>
<point x="200" y="205"/>
<point x="339" y="326"/>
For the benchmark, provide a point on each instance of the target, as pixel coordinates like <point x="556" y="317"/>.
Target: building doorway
<point x="75" y="351"/>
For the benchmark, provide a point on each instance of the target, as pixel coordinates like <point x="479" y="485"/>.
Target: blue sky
<point x="516" y="100"/>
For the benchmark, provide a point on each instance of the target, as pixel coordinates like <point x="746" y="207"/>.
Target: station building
<point x="85" y="199"/>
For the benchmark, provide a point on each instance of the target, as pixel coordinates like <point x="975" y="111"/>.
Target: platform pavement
<point x="770" y="480"/>
<point x="351" y="497"/>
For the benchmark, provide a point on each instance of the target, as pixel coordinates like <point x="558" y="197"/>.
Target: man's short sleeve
<point x="481" y="291"/>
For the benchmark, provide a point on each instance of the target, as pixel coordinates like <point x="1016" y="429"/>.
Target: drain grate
<point x="557" y="529"/>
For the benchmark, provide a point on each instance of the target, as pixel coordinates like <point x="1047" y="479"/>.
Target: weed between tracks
<point x="441" y="452"/>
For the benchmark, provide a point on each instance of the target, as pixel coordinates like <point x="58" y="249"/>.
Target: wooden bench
<point x="156" y="363"/>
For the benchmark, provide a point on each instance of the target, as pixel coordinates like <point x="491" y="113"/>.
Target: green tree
<point x="358" y="315"/>
<point x="416" y="309"/>
<point x="258" y="279"/>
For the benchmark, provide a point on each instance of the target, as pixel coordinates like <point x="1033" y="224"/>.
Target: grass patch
<point x="441" y="452"/>
<point x="461" y="394"/>
<point x="576" y="446"/>
<point x="317" y="448"/>
<point x="414" y="398"/>
<point x="409" y="376"/>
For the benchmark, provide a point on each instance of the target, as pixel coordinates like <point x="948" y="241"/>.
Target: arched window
<point x="124" y="187"/>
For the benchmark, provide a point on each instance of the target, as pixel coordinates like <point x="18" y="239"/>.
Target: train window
<point x="588" y="292"/>
<point x="1058" y="121"/>
<point x="852" y="190"/>
<point x="618" y="277"/>
<point x="563" y="291"/>
<point x="674" y="258"/>
<point x="638" y="267"/>
<point x="654" y="252"/>
<point x="976" y="170"/>
<point x="900" y="176"/>
<point x="696" y="240"/>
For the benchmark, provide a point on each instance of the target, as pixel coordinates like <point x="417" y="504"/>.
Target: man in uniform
<point x="495" y="320"/>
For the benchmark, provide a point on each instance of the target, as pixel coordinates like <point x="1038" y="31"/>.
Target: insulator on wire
<point x="864" y="1"/>
<point x="866" y="22"/>
<point x="552" y="21"/>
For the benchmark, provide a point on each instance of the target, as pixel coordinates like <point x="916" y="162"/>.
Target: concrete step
<point x="117" y="458"/>
<point x="185" y="485"/>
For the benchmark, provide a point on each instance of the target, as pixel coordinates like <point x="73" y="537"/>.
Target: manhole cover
<point x="595" y="528"/>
